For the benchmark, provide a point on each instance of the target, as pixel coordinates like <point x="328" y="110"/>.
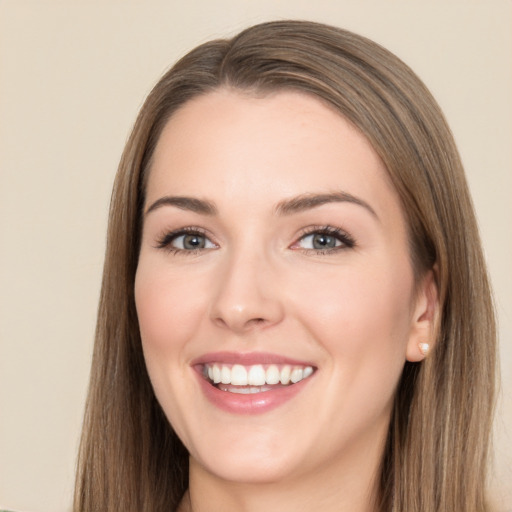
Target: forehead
<point x="228" y="143"/>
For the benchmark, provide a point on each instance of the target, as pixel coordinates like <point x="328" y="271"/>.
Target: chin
<point x="246" y="454"/>
<point x="239" y="468"/>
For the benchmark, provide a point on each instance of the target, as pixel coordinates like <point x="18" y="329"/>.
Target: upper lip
<point x="247" y="359"/>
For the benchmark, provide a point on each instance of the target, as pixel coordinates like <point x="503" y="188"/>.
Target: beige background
<point x="72" y="77"/>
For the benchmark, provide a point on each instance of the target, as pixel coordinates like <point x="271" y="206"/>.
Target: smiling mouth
<point x="258" y="378"/>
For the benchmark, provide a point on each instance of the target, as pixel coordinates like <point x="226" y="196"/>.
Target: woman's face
<point x="274" y="248"/>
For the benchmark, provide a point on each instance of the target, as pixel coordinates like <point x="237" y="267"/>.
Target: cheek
<point x="365" y="330"/>
<point x="361" y="317"/>
<point x="168" y="308"/>
<point x="167" y="311"/>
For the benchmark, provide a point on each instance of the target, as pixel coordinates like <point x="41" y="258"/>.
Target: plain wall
<point x="72" y="77"/>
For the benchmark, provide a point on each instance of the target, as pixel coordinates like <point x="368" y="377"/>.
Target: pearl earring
<point x="424" y="348"/>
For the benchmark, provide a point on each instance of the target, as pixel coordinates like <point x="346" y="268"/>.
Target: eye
<point x="186" y="240"/>
<point x="322" y="240"/>
<point x="319" y="241"/>
<point x="191" y="242"/>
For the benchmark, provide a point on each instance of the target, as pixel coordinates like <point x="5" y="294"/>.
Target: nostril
<point x="241" y="324"/>
<point x="255" y="321"/>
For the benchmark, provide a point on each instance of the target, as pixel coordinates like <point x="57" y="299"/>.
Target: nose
<point x="247" y="295"/>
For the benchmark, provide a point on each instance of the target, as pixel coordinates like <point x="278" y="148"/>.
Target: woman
<point x="295" y="311"/>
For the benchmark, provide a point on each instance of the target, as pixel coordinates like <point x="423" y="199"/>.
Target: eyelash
<point x="164" y="242"/>
<point x="347" y="242"/>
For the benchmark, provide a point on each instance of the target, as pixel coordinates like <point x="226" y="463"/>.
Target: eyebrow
<point x="287" y="207"/>
<point x="309" y="201"/>
<point x="185" y="203"/>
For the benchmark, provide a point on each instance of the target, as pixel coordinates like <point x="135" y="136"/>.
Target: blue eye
<point x="319" y="241"/>
<point x="191" y="242"/>
<point x="185" y="240"/>
<point x="324" y="240"/>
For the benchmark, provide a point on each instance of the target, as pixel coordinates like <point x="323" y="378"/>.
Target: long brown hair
<point x="437" y="447"/>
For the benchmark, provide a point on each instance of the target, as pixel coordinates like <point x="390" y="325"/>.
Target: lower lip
<point x="253" y="403"/>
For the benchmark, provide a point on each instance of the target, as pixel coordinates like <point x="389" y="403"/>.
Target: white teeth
<point x="238" y="375"/>
<point x="285" y="375"/>
<point x="246" y="390"/>
<point x="257" y="375"/>
<point x="225" y="375"/>
<point x="297" y="375"/>
<point x="307" y="372"/>
<point x="272" y="375"/>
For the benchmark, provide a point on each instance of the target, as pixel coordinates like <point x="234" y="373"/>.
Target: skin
<point x="259" y="285"/>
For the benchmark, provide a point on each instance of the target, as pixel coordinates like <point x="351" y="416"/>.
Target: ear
<point x="424" y="319"/>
